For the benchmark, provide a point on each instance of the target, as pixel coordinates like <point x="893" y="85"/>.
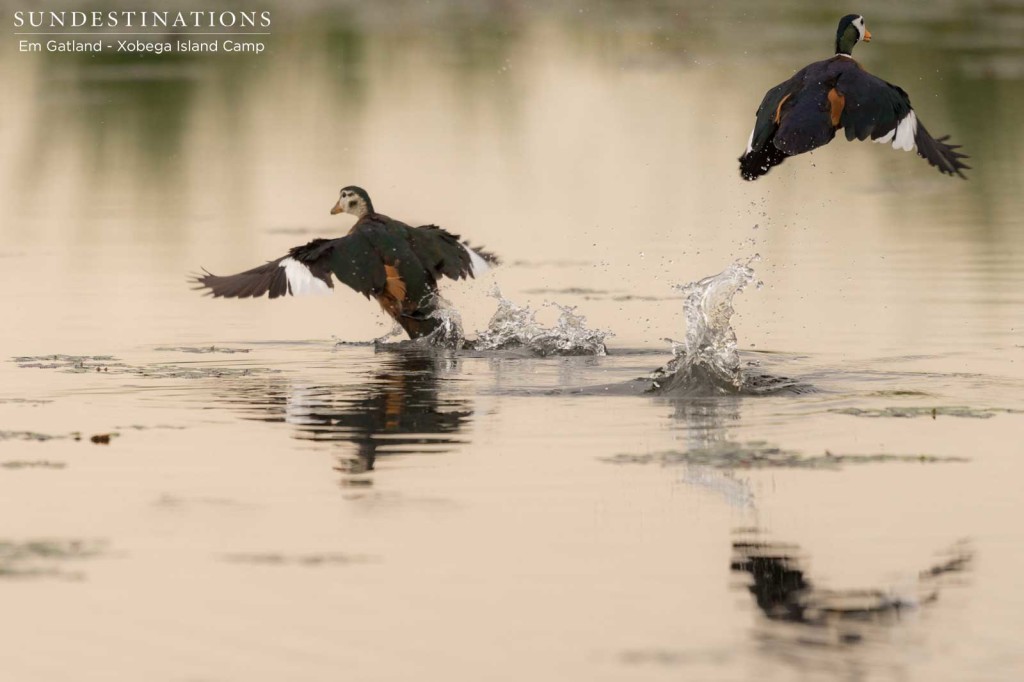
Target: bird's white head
<point x="353" y="200"/>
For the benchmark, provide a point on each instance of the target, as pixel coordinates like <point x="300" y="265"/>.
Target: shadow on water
<point x="401" y="408"/>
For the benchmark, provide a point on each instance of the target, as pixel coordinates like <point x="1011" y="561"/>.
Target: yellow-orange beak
<point x="867" y="36"/>
<point x="337" y="208"/>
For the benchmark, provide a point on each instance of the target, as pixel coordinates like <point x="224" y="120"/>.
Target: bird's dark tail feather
<point x="758" y="162"/>
<point x="939" y="154"/>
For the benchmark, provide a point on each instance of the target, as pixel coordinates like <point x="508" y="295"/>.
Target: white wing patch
<point x="750" y="140"/>
<point x="906" y="131"/>
<point x="477" y="264"/>
<point x="302" y="282"/>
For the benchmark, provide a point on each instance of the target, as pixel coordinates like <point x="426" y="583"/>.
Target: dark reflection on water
<point x="401" y="408"/>
<point x="785" y="593"/>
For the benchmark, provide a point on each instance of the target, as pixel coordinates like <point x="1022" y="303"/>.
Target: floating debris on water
<point x="32" y="464"/>
<point x="100" y="438"/>
<point x="78" y="364"/>
<point x="204" y="349"/>
<point x="572" y="291"/>
<point x="379" y="342"/>
<point x="641" y="297"/>
<point x="143" y="427"/>
<point x="69" y="363"/>
<point x="42" y="558"/>
<point x="662" y="656"/>
<point x="933" y="412"/>
<point x="516" y="327"/>
<point x="554" y="263"/>
<point x="197" y="372"/>
<point x="31" y="436"/>
<point x="900" y="393"/>
<point x="274" y="559"/>
<point x="338" y="343"/>
<point x="169" y="501"/>
<point x="762" y="455"/>
<point x="600" y="294"/>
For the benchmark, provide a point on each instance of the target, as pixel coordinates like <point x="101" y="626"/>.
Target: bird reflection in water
<point x="799" y="612"/>
<point x="401" y="408"/>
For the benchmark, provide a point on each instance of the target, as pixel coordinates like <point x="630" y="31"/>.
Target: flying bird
<point x="380" y="257"/>
<point x="804" y="112"/>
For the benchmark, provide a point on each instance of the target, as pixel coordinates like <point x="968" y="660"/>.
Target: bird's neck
<point x="369" y="216"/>
<point x="846" y="40"/>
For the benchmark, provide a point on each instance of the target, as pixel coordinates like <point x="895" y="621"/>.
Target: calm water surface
<point x="275" y="506"/>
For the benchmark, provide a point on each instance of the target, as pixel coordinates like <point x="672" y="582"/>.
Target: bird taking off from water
<point x="805" y="112"/>
<point x="380" y="257"/>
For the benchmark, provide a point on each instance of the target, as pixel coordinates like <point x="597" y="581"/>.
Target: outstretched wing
<point x="761" y="153"/>
<point x="445" y="254"/>
<point x="356" y="263"/>
<point x="881" y="111"/>
<point x="381" y="255"/>
<point x="305" y="270"/>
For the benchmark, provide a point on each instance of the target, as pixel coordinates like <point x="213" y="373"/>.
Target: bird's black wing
<point x="761" y="153"/>
<point x="881" y="111"/>
<point x="806" y="122"/>
<point x="253" y="283"/>
<point x="445" y="254"/>
<point x="872" y="107"/>
<point x="307" y="269"/>
<point x="357" y="264"/>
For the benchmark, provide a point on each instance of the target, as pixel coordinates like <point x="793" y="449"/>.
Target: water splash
<point x="514" y="327"/>
<point x="449" y="333"/>
<point x="707" y="362"/>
